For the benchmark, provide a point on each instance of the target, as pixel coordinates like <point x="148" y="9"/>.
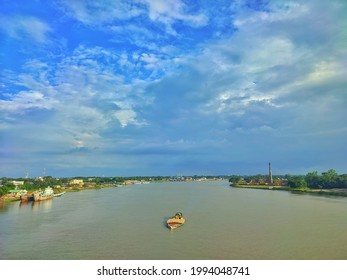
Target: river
<point x="128" y="223"/>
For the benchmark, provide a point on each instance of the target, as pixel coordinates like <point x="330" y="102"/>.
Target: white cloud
<point x="279" y="77"/>
<point x="100" y="12"/>
<point x="26" y="100"/>
<point x="171" y="10"/>
<point x="82" y="96"/>
<point x="126" y="117"/>
<point x="276" y="12"/>
<point x="25" y="27"/>
<point x="104" y="13"/>
<point x="264" y="75"/>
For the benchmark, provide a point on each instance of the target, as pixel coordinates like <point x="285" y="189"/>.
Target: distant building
<point x="76" y="182"/>
<point x="18" y="184"/>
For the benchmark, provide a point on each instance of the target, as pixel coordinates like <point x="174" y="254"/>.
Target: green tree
<point x="234" y="179"/>
<point x="330" y="179"/>
<point x="313" y="180"/>
<point x="297" y="182"/>
<point x="6" y="187"/>
<point x="342" y="181"/>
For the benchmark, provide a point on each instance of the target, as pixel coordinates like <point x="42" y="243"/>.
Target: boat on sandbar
<point x="43" y="195"/>
<point x="14" y="195"/>
<point x="27" y="197"/>
<point x="176" y="221"/>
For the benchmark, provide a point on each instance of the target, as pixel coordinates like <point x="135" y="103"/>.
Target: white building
<point x="76" y="182"/>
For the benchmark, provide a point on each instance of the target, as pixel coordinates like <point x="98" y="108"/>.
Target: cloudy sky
<point x="154" y="87"/>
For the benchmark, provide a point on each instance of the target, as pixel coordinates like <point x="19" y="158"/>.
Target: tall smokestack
<point x="270" y="174"/>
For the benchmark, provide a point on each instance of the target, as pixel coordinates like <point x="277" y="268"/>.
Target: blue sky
<point x="149" y="87"/>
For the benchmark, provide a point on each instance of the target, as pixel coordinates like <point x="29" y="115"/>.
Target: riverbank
<point x="5" y="198"/>
<point x="329" y="192"/>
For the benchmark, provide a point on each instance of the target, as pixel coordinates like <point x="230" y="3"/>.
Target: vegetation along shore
<point x="11" y="189"/>
<point x="326" y="183"/>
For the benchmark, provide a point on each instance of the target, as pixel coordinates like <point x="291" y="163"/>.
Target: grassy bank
<point x="262" y="187"/>
<point x="329" y="192"/>
<point x="70" y="189"/>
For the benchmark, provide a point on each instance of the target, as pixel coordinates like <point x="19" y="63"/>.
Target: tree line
<point x="31" y="184"/>
<point x="312" y="180"/>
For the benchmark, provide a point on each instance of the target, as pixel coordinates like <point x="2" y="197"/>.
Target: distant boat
<point x="176" y="221"/>
<point x="45" y="195"/>
<point x="14" y="195"/>
<point x="58" y="194"/>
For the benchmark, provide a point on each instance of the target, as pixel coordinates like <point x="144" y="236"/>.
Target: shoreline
<point x="324" y="192"/>
<point x="66" y="190"/>
<point x="327" y="192"/>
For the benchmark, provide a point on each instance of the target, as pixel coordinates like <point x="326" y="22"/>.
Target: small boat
<point x="176" y="221"/>
<point x="58" y="194"/>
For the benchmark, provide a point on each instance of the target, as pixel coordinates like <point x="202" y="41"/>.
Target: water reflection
<point x="42" y="206"/>
<point x="24" y="203"/>
<point x="3" y="207"/>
